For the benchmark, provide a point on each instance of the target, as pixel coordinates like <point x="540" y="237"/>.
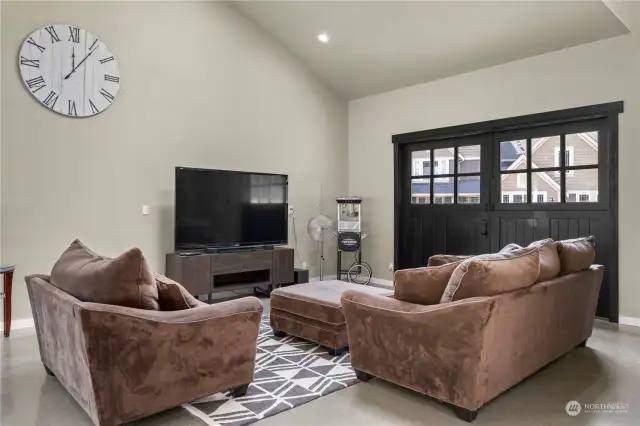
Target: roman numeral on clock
<point x="108" y="96"/>
<point x="72" y="108"/>
<point x="32" y="42"/>
<point x="35" y="63"/>
<point x="36" y="84"/>
<point x="51" y="99"/>
<point x="93" y="107"/>
<point x="54" y="35"/>
<point x="74" y="34"/>
<point x="105" y="60"/>
<point x="111" y="78"/>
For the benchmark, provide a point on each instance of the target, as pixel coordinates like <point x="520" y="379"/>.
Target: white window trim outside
<point x="534" y="195"/>
<point x="521" y="180"/>
<point x="593" y="195"/>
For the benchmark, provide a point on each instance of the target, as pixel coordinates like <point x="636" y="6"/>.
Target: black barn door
<point x="550" y="175"/>
<point x="445" y="199"/>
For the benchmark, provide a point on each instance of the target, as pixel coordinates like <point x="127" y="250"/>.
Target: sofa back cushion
<point x="124" y="281"/>
<point x="443" y="259"/>
<point x="174" y="297"/>
<point x="549" y="259"/>
<point x="423" y="286"/>
<point x="576" y="255"/>
<point x="491" y="274"/>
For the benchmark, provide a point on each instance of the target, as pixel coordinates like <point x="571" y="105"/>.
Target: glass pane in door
<point x="420" y="191"/>
<point x="420" y="163"/>
<point x="469" y="159"/>
<point x="513" y="155"/>
<point x="582" y="149"/>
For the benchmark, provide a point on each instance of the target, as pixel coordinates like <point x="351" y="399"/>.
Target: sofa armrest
<point x="435" y="349"/>
<point x="143" y="361"/>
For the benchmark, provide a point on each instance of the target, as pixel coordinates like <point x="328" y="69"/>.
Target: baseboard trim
<point x="20" y="324"/>
<point x="632" y="321"/>
<point x="378" y="282"/>
<point x="381" y="282"/>
<point x="325" y="278"/>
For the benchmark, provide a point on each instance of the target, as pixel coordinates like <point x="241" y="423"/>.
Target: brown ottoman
<point x="312" y="311"/>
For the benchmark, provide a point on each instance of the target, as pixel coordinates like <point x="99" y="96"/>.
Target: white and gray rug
<point x="289" y="372"/>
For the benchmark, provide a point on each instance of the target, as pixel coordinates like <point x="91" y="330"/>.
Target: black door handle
<point x="485" y="232"/>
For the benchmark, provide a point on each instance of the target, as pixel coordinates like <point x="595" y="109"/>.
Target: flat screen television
<point x="223" y="208"/>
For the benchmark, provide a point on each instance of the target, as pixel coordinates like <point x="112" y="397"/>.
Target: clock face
<point x="69" y="70"/>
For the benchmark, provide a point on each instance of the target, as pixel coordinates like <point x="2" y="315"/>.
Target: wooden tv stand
<point x="208" y="273"/>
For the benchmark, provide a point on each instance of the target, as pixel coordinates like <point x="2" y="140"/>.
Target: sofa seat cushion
<point x="443" y="259"/>
<point x="124" y="281"/>
<point x="576" y="255"/>
<point x="174" y="297"/>
<point x="549" y="259"/>
<point x="423" y="286"/>
<point x="319" y="301"/>
<point x="491" y="274"/>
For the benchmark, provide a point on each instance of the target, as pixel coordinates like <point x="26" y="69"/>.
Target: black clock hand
<point x="73" y="58"/>
<point x="79" y="63"/>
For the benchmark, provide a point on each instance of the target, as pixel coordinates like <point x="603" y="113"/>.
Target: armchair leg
<point x="464" y="414"/>
<point x="361" y="375"/>
<point x="278" y="333"/>
<point x="239" y="391"/>
<point x="582" y="344"/>
<point x="49" y="372"/>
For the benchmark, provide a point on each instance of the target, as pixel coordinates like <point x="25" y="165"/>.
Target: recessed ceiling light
<point x="323" y="38"/>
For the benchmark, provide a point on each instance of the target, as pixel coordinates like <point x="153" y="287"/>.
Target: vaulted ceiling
<point x="376" y="46"/>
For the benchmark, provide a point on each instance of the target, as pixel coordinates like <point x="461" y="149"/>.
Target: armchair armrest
<point x="435" y="349"/>
<point x="142" y="362"/>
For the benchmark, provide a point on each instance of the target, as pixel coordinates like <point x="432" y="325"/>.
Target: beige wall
<point x="604" y="71"/>
<point x="201" y="87"/>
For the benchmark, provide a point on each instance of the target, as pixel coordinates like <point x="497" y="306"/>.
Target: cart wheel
<point x="359" y="273"/>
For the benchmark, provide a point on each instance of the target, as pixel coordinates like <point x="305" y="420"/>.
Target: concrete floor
<point x="606" y="371"/>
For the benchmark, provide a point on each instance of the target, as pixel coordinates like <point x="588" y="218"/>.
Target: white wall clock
<point x="69" y="70"/>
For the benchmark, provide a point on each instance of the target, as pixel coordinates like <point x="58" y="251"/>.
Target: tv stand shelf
<point x="208" y="273"/>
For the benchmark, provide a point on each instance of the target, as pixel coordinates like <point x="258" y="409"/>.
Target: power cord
<point x="295" y="235"/>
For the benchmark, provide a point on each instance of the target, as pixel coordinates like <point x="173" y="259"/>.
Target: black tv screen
<point x="222" y="208"/>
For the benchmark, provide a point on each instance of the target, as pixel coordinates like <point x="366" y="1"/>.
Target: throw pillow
<point x="125" y="280"/>
<point x="443" y="259"/>
<point x="423" y="286"/>
<point x="576" y="255"/>
<point x="510" y="247"/>
<point x="491" y="274"/>
<point x="173" y="296"/>
<point x="549" y="259"/>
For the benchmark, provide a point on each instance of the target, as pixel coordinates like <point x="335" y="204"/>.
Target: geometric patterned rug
<point x="289" y="372"/>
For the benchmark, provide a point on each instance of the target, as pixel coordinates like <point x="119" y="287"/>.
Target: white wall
<point x="604" y="71"/>
<point x="201" y="87"/>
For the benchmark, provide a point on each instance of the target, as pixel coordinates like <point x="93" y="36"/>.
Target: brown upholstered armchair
<point x="121" y="363"/>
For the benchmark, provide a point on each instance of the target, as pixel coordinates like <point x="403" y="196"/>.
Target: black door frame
<point x="607" y="111"/>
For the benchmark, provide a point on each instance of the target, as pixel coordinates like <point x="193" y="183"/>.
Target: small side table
<point x="7" y="272"/>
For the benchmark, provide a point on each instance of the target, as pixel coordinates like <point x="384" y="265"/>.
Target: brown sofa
<point x="467" y="351"/>
<point x="121" y="363"/>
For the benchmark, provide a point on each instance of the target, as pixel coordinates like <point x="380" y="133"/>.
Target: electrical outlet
<point x="146" y="210"/>
<point x="304" y="265"/>
<point x="291" y="211"/>
<point x="391" y="266"/>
